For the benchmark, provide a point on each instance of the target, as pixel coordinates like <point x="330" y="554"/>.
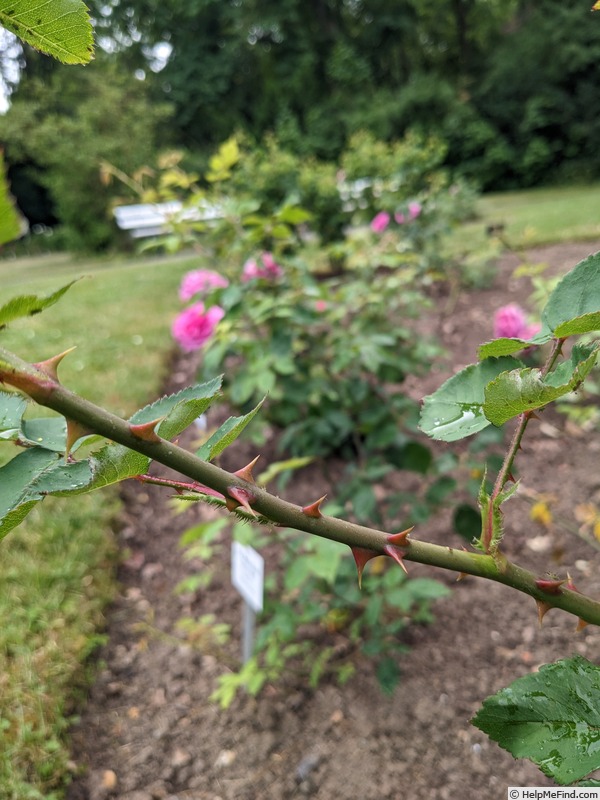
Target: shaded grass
<point x="57" y="574"/>
<point x="537" y="216"/>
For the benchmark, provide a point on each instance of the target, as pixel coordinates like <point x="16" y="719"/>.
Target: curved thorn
<point x="400" y="539"/>
<point x="240" y="497"/>
<point x="361" y="556"/>
<point x="314" y="509"/>
<point x="543" y="609"/>
<point x="581" y="624"/>
<point x="245" y="473"/>
<point x="550" y="586"/>
<point x="50" y="365"/>
<point x="570" y="585"/>
<point x="461" y="576"/>
<point x="146" y="431"/>
<point x="394" y="553"/>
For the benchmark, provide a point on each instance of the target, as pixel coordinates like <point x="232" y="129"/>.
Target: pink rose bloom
<point x="510" y="322"/>
<point x="414" y="209"/>
<point x="200" y="280"/>
<point x="194" y="326"/>
<point x="250" y="270"/>
<point x="269" y="269"/>
<point x="321" y="305"/>
<point x="380" y="222"/>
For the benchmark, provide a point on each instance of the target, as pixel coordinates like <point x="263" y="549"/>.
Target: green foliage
<point x="227" y="433"/>
<point x="513" y="393"/>
<point x="455" y="410"/>
<point x="27" y="305"/>
<point x="550" y="717"/>
<point x="62" y="28"/>
<point x="537" y="91"/>
<point x="275" y="176"/>
<point x="498" y="389"/>
<point x="63" y="128"/>
<point x="572" y="307"/>
<point x="39" y="471"/>
<point x="9" y="219"/>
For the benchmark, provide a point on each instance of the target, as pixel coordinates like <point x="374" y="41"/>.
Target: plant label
<point x="247" y="574"/>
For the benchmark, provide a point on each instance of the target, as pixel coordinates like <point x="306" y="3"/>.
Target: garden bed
<point x="149" y="731"/>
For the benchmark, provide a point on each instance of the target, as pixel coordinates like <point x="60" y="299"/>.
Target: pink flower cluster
<point x="269" y="269"/>
<point x="510" y="323"/>
<point x="200" y="280"/>
<point x="195" y="326"/>
<point x="380" y="221"/>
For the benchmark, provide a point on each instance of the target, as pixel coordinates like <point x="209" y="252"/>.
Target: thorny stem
<point x="505" y="473"/>
<point x="49" y="393"/>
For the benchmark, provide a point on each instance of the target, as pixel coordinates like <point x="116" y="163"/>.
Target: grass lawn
<point x="543" y="216"/>
<point x="56" y="575"/>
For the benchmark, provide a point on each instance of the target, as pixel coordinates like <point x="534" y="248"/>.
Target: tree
<point x="108" y="114"/>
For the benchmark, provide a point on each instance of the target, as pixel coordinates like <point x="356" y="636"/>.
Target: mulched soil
<point x="149" y="731"/>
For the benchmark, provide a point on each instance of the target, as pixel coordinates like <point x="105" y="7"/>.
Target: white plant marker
<point x="247" y="576"/>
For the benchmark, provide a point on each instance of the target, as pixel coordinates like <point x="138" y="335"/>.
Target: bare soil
<point x="149" y="731"/>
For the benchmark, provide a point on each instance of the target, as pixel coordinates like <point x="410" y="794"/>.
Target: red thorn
<point x="510" y="477"/>
<point x="400" y="539"/>
<point x="75" y="430"/>
<point x="581" y="624"/>
<point x="543" y="609"/>
<point x="394" y="553"/>
<point x="314" y="509"/>
<point x="238" y="496"/>
<point x="50" y="366"/>
<point x="146" y="431"/>
<point x="531" y="414"/>
<point x="361" y="556"/>
<point x="245" y="473"/>
<point x="549" y="587"/>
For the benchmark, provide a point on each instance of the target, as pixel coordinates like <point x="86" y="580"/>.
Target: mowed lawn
<point x="543" y="216"/>
<point x="57" y="568"/>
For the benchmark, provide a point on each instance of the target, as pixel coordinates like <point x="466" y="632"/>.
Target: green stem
<point x="505" y="473"/>
<point x="49" y="393"/>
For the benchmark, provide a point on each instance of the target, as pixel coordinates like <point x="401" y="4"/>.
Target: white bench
<point x="152" y="219"/>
